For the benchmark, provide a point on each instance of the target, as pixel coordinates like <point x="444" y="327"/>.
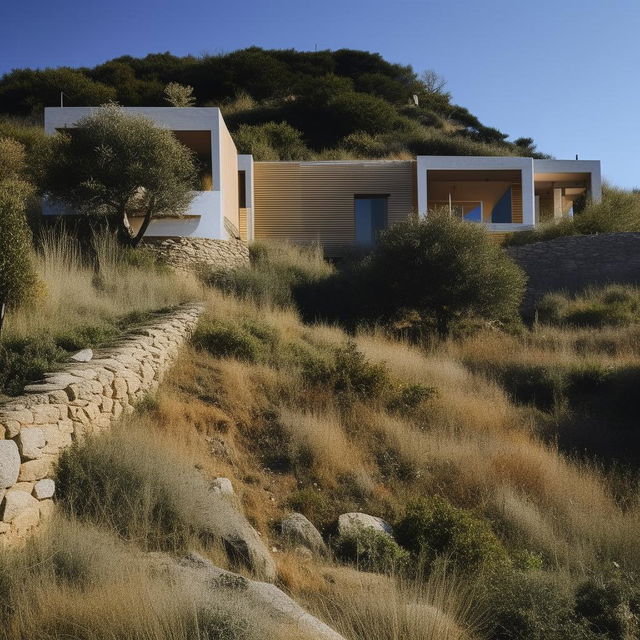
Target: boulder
<point x="298" y="530"/>
<point x="9" y="463"/>
<point x="44" y="489"/>
<point x="31" y="441"/>
<point x="85" y="355"/>
<point x="15" y="502"/>
<point x="208" y="583"/>
<point x="222" y="486"/>
<point x="349" y="523"/>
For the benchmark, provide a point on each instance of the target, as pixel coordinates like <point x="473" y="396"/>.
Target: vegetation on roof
<point x="343" y="103"/>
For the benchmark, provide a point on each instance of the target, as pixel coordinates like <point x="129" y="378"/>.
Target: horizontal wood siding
<point x="242" y="224"/>
<point x="516" y="202"/>
<point x="306" y="202"/>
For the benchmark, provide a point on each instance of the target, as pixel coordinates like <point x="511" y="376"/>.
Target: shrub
<point x="371" y="550"/>
<point x="313" y="504"/>
<point x="434" y="274"/>
<point x="271" y="141"/>
<point x="130" y="482"/>
<point x="534" y="384"/>
<point x="611" y="606"/>
<point x="348" y="373"/>
<point x="434" y="527"/>
<point x="611" y="305"/>
<point x="247" y="341"/>
<point x="17" y="274"/>
<point x="410" y="396"/>
<point x="531" y="606"/>
<point x="276" y="270"/>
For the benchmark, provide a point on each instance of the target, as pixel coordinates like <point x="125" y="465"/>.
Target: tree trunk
<point x="135" y="240"/>
<point x="2" y="311"/>
<point x="125" y="234"/>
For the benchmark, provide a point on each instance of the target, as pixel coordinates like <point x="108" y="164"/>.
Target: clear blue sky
<point x="564" y="72"/>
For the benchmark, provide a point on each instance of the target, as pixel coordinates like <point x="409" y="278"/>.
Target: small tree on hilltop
<point x="116" y="164"/>
<point x="444" y="270"/>
<point x="179" y="95"/>
<point x="17" y="275"/>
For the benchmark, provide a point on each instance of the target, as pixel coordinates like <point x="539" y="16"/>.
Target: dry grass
<point x="75" y="292"/>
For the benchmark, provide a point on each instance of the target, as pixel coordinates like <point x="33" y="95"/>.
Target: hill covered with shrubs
<point x="282" y="104"/>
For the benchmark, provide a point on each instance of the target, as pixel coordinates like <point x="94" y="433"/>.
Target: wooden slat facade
<point x="242" y="224"/>
<point x="516" y="202"/>
<point x="306" y="202"/>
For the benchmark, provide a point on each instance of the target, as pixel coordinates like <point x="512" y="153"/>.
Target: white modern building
<point x="345" y="203"/>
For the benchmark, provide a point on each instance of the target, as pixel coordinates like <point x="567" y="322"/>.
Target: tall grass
<point x="86" y="296"/>
<point x="77" y="288"/>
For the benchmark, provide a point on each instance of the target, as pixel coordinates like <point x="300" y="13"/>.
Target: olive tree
<point x="17" y="275"/>
<point x="117" y="164"/>
<point x="444" y="270"/>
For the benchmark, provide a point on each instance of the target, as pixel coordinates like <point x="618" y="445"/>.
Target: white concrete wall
<point x="206" y="205"/>
<point x="462" y="163"/>
<point x="591" y="167"/>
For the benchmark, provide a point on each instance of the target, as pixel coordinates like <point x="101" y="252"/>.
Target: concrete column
<point x="557" y="203"/>
<point x="528" y="195"/>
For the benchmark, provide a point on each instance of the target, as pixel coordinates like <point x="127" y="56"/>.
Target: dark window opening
<point x="242" y="189"/>
<point x="371" y="217"/>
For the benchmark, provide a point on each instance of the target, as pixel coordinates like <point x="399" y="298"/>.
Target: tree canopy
<point x="325" y="95"/>
<point x="117" y="164"/>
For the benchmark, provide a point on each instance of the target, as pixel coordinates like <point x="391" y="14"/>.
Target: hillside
<point x="324" y="104"/>
<point x="467" y="447"/>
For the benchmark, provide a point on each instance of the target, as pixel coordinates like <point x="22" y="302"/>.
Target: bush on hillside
<point x="430" y="275"/>
<point x="271" y="141"/>
<point x="132" y="483"/>
<point x="371" y="550"/>
<point x="17" y="274"/>
<point x="617" y="212"/>
<point x="276" y="269"/>
<point x="434" y="527"/>
<point x="247" y="341"/>
<point x="611" y="305"/>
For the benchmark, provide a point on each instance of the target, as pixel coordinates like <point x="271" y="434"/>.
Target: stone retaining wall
<point x="78" y="399"/>
<point x="572" y="263"/>
<point x="194" y="253"/>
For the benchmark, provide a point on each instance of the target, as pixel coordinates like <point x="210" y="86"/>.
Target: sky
<point x="564" y="72"/>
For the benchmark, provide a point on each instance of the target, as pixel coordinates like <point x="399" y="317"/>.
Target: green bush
<point x="539" y="385"/>
<point x="23" y="360"/>
<point x="371" y="550"/>
<point x="17" y="274"/>
<point x="313" y="504"/>
<point x="610" y="305"/>
<point x="348" y="372"/>
<point x="276" y="270"/>
<point x="434" y="275"/>
<point x="434" y="527"/>
<point x="229" y="341"/>
<point x="271" y="141"/>
<point x="410" y="396"/>
<point x="611" y="606"/>
<point x="531" y="606"/>
<point x="618" y="211"/>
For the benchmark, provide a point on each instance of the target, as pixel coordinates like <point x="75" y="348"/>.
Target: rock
<point x="222" y="486"/>
<point x="349" y="523"/>
<point x="44" y="489"/>
<point x="207" y="583"/>
<point x="31" y="441"/>
<point x="15" y="502"/>
<point x="298" y="530"/>
<point x="36" y="469"/>
<point x="82" y="356"/>
<point x="9" y="463"/>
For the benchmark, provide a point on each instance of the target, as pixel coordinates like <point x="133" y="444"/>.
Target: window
<point x="242" y="189"/>
<point x="469" y="210"/>
<point x="371" y="218"/>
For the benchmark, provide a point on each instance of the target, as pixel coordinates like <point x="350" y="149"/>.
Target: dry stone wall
<point x="78" y="399"/>
<point x="573" y="263"/>
<point x="195" y="253"/>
